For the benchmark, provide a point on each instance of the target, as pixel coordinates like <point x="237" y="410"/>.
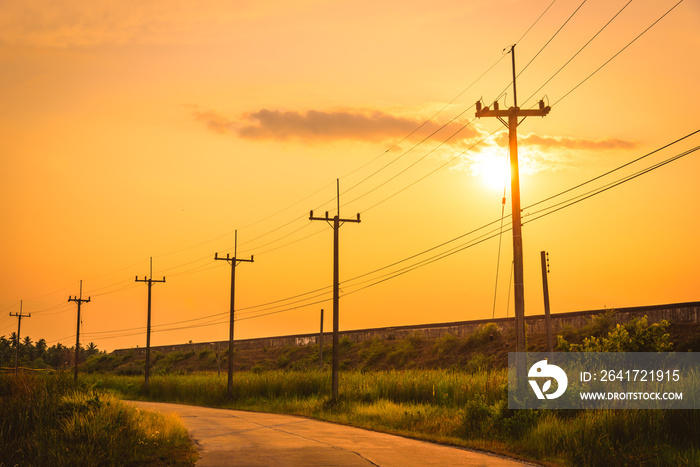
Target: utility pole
<point x="320" y="343"/>
<point x="234" y="262"/>
<point x="337" y="222"/>
<point x="150" y="281"/>
<point x="79" y="300"/>
<point x="19" y="324"/>
<point x="512" y="114"/>
<point x="544" y="257"/>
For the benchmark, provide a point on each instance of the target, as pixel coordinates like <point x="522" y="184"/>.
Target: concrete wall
<point x="676" y="313"/>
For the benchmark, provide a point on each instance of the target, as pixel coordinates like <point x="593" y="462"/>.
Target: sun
<point x="493" y="169"/>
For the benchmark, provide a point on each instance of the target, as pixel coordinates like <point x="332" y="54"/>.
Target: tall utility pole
<point x="234" y="262"/>
<point x="19" y="324"/>
<point x="544" y="257"/>
<point x="150" y="281"/>
<point x="512" y="114"/>
<point x="79" y="300"/>
<point x="337" y="222"/>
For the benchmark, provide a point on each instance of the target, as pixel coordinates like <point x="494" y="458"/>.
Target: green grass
<point x="47" y="420"/>
<point x="460" y="408"/>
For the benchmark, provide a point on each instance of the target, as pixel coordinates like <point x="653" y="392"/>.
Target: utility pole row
<point x="234" y="261"/>
<point x="79" y="300"/>
<point x="150" y="281"/>
<point x="337" y="222"/>
<point x="19" y="324"/>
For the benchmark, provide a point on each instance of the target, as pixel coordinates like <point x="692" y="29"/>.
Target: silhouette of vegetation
<point x="47" y="420"/>
<point x="38" y="355"/>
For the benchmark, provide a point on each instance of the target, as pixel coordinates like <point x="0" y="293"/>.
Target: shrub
<point x="635" y="336"/>
<point x="445" y="344"/>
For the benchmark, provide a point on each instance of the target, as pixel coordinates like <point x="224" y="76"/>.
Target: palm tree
<point x="41" y="348"/>
<point x="27" y="348"/>
<point x="91" y="349"/>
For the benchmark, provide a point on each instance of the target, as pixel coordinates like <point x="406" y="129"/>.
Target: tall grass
<point x="46" y="420"/>
<point x="468" y="409"/>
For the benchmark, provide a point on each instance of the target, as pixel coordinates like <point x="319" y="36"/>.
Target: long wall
<point x="676" y="313"/>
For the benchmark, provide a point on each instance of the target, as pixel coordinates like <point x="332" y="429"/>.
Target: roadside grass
<point x="447" y="406"/>
<point x="46" y="420"/>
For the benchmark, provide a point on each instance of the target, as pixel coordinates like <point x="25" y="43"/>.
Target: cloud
<point x="325" y="126"/>
<point x="318" y="125"/>
<point x="567" y="142"/>
<point x="214" y="121"/>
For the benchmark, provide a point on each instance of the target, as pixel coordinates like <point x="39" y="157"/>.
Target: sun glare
<point x="493" y="170"/>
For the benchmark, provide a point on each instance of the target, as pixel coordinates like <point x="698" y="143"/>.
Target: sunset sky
<point x="131" y="130"/>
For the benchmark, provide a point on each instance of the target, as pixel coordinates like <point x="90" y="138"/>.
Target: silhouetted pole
<point x="150" y="282"/>
<point x="79" y="301"/>
<point x="234" y="261"/>
<point x="320" y="343"/>
<point x="19" y="325"/>
<point x="544" y="257"/>
<point x="512" y="114"/>
<point x="336" y="287"/>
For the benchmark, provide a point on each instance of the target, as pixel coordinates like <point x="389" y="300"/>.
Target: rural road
<point x="233" y="437"/>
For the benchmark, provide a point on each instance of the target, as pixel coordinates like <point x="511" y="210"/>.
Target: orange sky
<point x="159" y="128"/>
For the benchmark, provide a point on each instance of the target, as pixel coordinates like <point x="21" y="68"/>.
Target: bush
<point x="445" y="344"/>
<point x="635" y="336"/>
<point x="483" y="334"/>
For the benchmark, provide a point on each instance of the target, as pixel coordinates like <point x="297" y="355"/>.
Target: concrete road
<point x="234" y="437"/>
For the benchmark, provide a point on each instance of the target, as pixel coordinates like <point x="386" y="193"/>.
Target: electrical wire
<point x="579" y="51"/>
<point x="618" y="53"/>
<point x="541" y="49"/>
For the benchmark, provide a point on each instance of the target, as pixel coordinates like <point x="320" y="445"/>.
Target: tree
<point x="56" y="355"/>
<point x="13" y="340"/>
<point x="5" y="351"/>
<point x="27" y="348"/>
<point x="41" y="348"/>
<point x="91" y="350"/>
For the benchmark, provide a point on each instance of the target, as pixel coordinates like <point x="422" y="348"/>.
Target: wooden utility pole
<point x="234" y="262"/>
<point x="19" y="324"/>
<point x="512" y="114"/>
<point x="337" y="222"/>
<point x="320" y="343"/>
<point x="79" y="300"/>
<point x="544" y="257"/>
<point x="148" y="280"/>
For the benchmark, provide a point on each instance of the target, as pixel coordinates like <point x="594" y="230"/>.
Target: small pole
<point x="320" y="343"/>
<point x="544" y="257"/>
<point x="218" y="360"/>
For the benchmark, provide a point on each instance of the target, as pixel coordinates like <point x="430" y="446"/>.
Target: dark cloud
<point x="314" y="126"/>
<point x="567" y="142"/>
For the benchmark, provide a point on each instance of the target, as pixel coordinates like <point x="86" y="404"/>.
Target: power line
<point x="542" y="48"/>
<point x="580" y="50"/>
<point x="618" y="53"/>
<point x="484" y="237"/>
